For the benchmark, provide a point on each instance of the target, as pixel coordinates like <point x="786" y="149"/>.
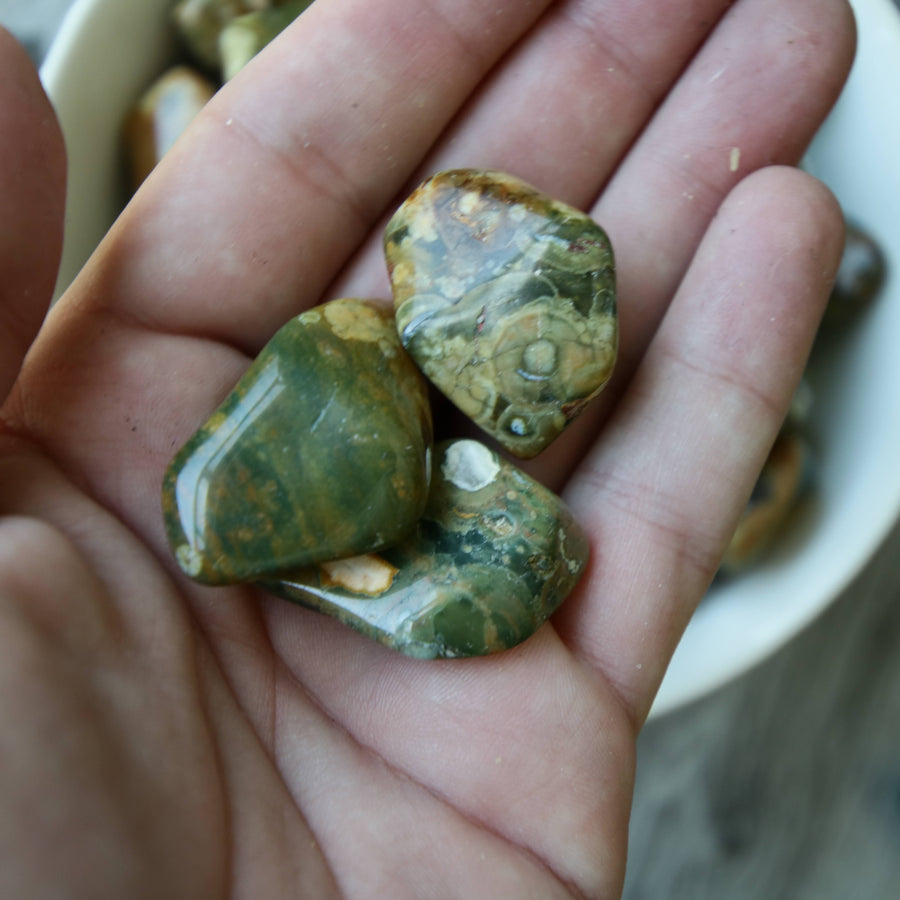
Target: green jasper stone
<point x="506" y="300"/>
<point x="493" y="556"/>
<point x="198" y="24"/>
<point x="322" y="450"/>
<point x="245" y="36"/>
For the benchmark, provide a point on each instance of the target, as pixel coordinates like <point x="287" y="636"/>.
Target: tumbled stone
<point x="493" y="556"/>
<point x="506" y="300"/>
<point x="859" y="277"/>
<point x="243" y="37"/>
<point x="321" y="451"/>
<point x="160" y="117"/>
<point x="787" y="473"/>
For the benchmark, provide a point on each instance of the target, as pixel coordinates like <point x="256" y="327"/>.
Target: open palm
<point x="163" y="739"/>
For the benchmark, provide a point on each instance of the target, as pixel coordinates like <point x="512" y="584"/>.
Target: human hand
<point x="164" y="739"/>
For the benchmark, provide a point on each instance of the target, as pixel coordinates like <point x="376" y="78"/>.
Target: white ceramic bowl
<point x="108" y="51"/>
<point x="856" y="415"/>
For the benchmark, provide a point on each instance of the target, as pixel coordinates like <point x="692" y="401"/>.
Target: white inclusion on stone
<point x="190" y="560"/>
<point x="469" y="465"/>
<point x="469" y="202"/>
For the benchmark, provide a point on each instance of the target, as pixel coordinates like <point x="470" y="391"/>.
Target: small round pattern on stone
<point x="539" y="360"/>
<point x="505" y="299"/>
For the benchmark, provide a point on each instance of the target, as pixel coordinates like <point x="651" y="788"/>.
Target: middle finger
<point x="578" y="113"/>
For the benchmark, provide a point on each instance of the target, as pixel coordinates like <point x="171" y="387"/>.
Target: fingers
<point x="744" y="103"/>
<point x="285" y="172"/>
<point x="516" y="711"/>
<point x="565" y="105"/>
<point x="32" y="185"/>
<point x="246" y="222"/>
<point x="661" y="493"/>
<point x="355" y="95"/>
<point x="754" y="95"/>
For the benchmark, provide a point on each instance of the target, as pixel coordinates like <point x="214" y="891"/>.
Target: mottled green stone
<point x="198" y="24"/>
<point x="506" y="300"/>
<point x="493" y="556"/>
<point x="160" y="117"/>
<point x="243" y="37"/>
<point x="321" y="451"/>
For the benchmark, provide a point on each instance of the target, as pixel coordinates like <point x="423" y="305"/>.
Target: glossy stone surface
<point x="785" y="476"/>
<point x="199" y="23"/>
<point x="506" y="300"/>
<point x="243" y="37"/>
<point x="859" y="278"/>
<point x="321" y="451"/>
<point x="493" y="556"/>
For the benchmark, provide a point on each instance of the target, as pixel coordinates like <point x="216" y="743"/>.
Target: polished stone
<point x="243" y="37"/>
<point x="199" y="23"/>
<point x="786" y="475"/>
<point x="321" y="451"/>
<point x="859" y="280"/>
<point x="493" y="556"/>
<point x="160" y="117"/>
<point x="506" y="300"/>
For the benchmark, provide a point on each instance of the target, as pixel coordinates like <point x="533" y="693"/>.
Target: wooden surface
<point x="785" y="784"/>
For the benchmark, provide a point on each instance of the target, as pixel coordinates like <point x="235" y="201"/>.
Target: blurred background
<point x="786" y="782"/>
<point x="33" y="22"/>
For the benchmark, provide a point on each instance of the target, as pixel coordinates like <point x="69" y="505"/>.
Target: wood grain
<point x="786" y="783"/>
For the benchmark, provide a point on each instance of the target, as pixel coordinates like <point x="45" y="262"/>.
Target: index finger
<point x="248" y="219"/>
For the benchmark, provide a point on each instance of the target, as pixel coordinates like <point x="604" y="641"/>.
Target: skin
<point x="163" y="739"/>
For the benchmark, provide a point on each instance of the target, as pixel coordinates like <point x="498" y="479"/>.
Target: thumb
<point x="32" y="188"/>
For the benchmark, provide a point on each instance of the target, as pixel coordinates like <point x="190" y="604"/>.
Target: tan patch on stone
<point x="353" y="320"/>
<point x="470" y="466"/>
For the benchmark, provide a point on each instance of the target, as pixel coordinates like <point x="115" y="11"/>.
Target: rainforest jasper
<point x="314" y="479"/>
<point x="321" y="451"/>
<point x="506" y="300"/>
<point x="493" y="556"/>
